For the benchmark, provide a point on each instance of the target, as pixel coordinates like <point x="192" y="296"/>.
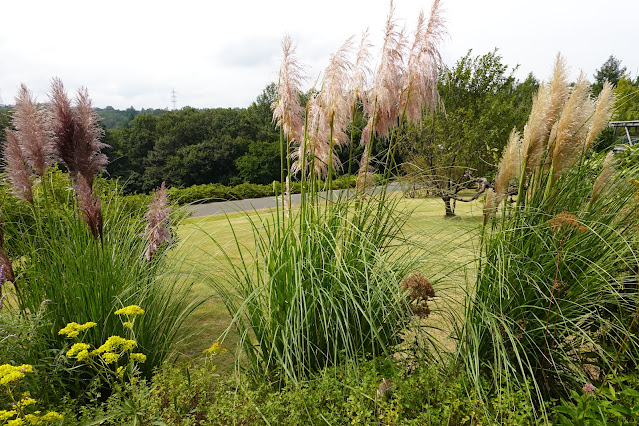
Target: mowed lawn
<point x="445" y="248"/>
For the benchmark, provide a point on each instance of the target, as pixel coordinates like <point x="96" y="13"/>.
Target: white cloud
<point x="214" y="53"/>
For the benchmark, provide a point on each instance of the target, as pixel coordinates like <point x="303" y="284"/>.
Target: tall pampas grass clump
<point x="74" y="251"/>
<point x="323" y="285"/>
<point x="556" y="293"/>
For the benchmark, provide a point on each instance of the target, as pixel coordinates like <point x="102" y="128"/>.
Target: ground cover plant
<point x="555" y="300"/>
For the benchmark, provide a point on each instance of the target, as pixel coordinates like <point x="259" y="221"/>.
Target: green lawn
<point x="445" y="247"/>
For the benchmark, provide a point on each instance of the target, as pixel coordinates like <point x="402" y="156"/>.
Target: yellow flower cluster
<point x="216" y="348"/>
<point x="138" y="357"/>
<point x="10" y="373"/>
<point x="73" y="328"/>
<point x="130" y="310"/>
<point x="113" y="348"/>
<point x="79" y="350"/>
<point x="31" y="419"/>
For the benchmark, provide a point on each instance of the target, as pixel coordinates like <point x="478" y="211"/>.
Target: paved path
<point x="249" y="204"/>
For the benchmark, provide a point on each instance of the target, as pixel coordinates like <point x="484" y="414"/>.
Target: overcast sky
<point x="223" y="53"/>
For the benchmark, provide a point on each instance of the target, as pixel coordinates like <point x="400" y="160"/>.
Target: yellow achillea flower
<point x="138" y="357"/>
<point x="216" y="348"/>
<point x="73" y="328"/>
<point x="10" y="373"/>
<point x="130" y="310"/>
<point x="77" y="348"/>
<point x="127" y="324"/>
<point x="120" y="372"/>
<point x="15" y="422"/>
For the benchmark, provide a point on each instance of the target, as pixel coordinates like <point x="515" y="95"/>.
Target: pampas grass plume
<point x="17" y="170"/>
<point x="287" y="111"/>
<point x="156" y="230"/>
<point x="603" y="113"/>
<point x="572" y="127"/>
<point x="509" y="168"/>
<point x="33" y="131"/>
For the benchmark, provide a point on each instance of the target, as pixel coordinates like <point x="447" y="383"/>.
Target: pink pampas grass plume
<point x="18" y="171"/>
<point x="33" y="131"/>
<point x="157" y="218"/>
<point x="76" y="133"/>
<point x="420" y="81"/>
<point x="287" y="111"/>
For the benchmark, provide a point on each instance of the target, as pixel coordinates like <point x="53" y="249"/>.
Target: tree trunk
<point x="450" y="209"/>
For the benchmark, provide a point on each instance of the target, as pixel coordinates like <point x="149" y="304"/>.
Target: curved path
<point x="220" y="207"/>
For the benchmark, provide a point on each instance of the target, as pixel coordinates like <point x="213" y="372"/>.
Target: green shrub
<point x="425" y="395"/>
<point x="322" y="287"/>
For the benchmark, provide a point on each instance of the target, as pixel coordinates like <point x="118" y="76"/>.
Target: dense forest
<point x="482" y="101"/>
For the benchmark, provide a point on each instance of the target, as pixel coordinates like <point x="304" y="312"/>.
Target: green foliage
<point x="615" y="403"/>
<point x="188" y="395"/>
<point x="217" y="192"/>
<point x="257" y="165"/>
<point x="61" y="268"/>
<point x="611" y="71"/>
<point x="321" y="288"/>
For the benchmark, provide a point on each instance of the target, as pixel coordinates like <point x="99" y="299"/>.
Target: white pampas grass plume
<point x="572" y="127"/>
<point x="287" y="111"/>
<point x="490" y="206"/>
<point x="361" y="72"/>
<point x="387" y="87"/>
<point x="509" y="168"/>
<point x="33" y="131"/>
<point x="547" y="104"/>
<point x="17" y="169"/>
<point x="603" y="113"/>
<point x="156" y="230"/>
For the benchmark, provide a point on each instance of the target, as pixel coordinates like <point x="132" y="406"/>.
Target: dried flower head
<point x="419" y="290"/>
<point x="567" y="220"/>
